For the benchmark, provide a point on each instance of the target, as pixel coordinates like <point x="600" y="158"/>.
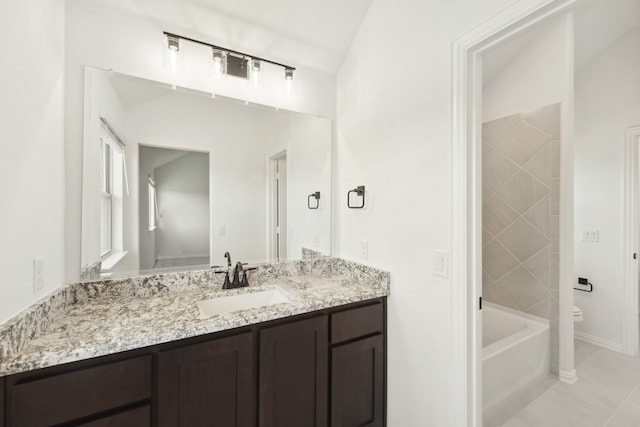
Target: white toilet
<point x="577" y="314"/>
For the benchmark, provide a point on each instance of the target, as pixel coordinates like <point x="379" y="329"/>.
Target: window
<point x="153" y="205"/>
<point x="112" y="182"/>
<point x="106" y="184"/>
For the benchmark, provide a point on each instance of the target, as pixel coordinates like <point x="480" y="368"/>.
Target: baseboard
<point x="570" y="377"/>
<point x="599" y="341"/>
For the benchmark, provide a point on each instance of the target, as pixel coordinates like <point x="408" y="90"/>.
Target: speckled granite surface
<point x="90" y="319"/>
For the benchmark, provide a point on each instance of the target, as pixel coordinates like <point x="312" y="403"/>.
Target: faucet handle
<point x="245" y="280"/>
<point x="227" y="283"/>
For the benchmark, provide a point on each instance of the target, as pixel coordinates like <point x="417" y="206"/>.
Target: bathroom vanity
<point x="142" y="355"/>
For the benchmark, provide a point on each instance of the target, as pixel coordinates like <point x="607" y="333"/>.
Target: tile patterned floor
<point x="607" y="394"/>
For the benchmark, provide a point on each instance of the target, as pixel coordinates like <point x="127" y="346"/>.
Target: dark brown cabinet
<point x="313" y="370"/>
<point x="1" y="402"/>
<point x="76" y="394"/>
<point x="357" y="383"/>
<point x="138" y="417"/>
<point x="207" y="384"/>
<point x="294" y="374"/>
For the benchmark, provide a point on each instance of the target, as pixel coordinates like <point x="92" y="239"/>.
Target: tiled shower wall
<point x="520" y="213"/>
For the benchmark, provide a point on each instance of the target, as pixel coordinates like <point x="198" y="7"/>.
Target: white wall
<point x="309" y="170"/>
<point x="607" y="101"/>
<point x="105" y="37"/>
<point x="394" y="137"/>
<point x="182" y="189"/>
<point x="535" y="77"/>
<point x="32" y="168"/>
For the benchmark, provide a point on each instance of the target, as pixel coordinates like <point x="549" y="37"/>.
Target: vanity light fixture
<point x="225" y="62"/>
<point x="173" y="58"/>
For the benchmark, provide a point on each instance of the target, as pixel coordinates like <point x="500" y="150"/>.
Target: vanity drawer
<point x="357" y="322"/>
<point x="72" y="395"/>
<point x="138" y="417"/>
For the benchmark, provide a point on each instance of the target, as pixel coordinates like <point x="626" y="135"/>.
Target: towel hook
<point x="359" y="190"/>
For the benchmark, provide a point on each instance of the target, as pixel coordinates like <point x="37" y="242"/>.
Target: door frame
<point x="271" y="207"/>
<point x="630" y="339"/>
<point x="466" y="189"/>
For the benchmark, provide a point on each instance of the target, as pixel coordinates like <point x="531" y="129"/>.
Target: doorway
<point x="278" y="227"/>
<point x="631" y="329"/>
<point x="467" y="204"/>
<point x="174" y="209"/>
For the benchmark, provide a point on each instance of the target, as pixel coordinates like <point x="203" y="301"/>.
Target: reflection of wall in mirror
<point x="238" y="139"/>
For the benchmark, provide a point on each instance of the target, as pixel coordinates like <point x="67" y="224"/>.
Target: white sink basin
<point x="221" y="305"/>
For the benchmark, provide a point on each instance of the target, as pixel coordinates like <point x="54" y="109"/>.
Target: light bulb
<point x="219" y="64"/>
<point x="172" y="55"/>
<point x="289" y="82"/>
<point x="256" y="72"/>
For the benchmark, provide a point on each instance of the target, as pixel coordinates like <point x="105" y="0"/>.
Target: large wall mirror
<point x="173" y="179"/>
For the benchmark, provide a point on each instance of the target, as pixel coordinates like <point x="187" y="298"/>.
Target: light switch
<point x="441" y="263"/>
<point x="364" y="249"/>
<point x="38" y="274"/>
<point x="592" y="236"/>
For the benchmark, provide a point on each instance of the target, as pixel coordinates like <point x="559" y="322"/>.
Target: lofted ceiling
<point x="597" y="24"/>
<point x="310" y="33"/>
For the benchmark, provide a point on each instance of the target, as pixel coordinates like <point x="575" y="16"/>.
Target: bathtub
<point x="515" y="352"/>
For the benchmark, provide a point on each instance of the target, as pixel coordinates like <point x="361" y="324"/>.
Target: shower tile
<point x="554" y="201"/>
<point x="555" y="159"/>
<point x="538" y="265"/>
<point x="522" y="239"/>
<point x="538" y="215"/>
<point x="546" y="119"/>
<point x="540" y="309"/>
<point x="487" y="280"/>
<point x="523" y="142"/>
<point x="524" y="289"/>
<point x="496" y="295"/>
<point x="496" y="168"/>
<point x="494" y="132"/>
<point x="487" y="193"/>
<point x="554" y="228"/>
<point x="522" y="191"/>
<point x="554" y="271"/>
<point x="540" y="164"/>
<point x="497" y="215"/>
<point x="486" y="236"/>
<point x="497" y="260"/>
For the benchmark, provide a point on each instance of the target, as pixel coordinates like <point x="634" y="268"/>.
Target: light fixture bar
<point x="286" y="67"/>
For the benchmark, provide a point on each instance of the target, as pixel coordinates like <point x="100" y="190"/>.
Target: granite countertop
<point x="93" y="319"/>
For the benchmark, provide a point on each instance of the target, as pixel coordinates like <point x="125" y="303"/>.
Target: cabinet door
<point x="208" y="384"/>
<point x="138" y="417"/>
<point x="294" y="374"/>
<point x="357" y="383"/>
<point x="1" y="402"/>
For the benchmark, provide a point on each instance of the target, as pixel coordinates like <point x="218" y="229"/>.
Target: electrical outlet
<point x="592" y="236"/>
<point x="364" y="249"/>
<point x="441" y="263"/>
<point x="38" y="274"/>
<point x="222" y="231"/>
